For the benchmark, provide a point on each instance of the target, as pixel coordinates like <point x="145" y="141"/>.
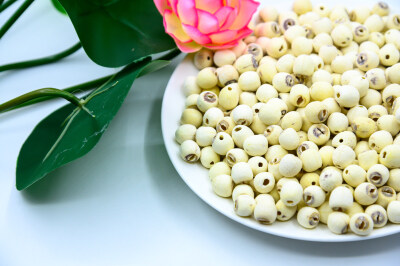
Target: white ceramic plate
<point x="196" y="176"/>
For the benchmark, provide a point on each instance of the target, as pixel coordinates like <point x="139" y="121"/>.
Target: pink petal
<point x="187" y="12"/>
<point x="209" y="5"/>
<point x="223" y="13"/>
<point x="223" y="36"/>
<point x="190" y="47"/>
<point x="229" y="20"/>
<point x="207" y="22"/>
<point x="161" y="5"/>
<point x="227" y="36"/>
<point x="173" y="4"/>
<point x="246" y="11"/>
<point x="222" y="46"/>
<point x="174" y="28"/>
<point x="232" y="3"/>
<point x="195" y="34"/>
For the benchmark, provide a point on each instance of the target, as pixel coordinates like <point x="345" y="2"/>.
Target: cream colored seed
<point x="393" y="212"/>
<point x="299" y="95"/>
<point x="256" y="145"/>
<point x="393" y="36"/>
<point x="337" y="122"/>
<point x="341" y="64"/>
<point x="354" y="175"/>
<point x="267" y="70"/>
<point x="206" y="100"/>
<point x="345" y="138"/>
<point x="265" y="210"/>
<point x="379" y="140"/>
<point x="319" y="134"/>
<point x="374" y="23"/>
<point x="303" y="65"/>
<point x="366" y="194"/>
<point x="341" y="36"/>
<point x="347" y="96"/>
<point x="276" y="47"/>
<point x="386" y="195"/>
<point x="305" y="146"/>
<point x="393" y="22"/>
<point x="361" y="224"/>
<point x="321" y="90"/>
<point x="291" y="193"/>
<point x="294" y="32"/>
<point x="377" y="38"/>
<point x="326" y="155"/>
<point x="338" y="222"/>
<point x="266" y="92"/>
<point x="285" y="213"/>
<point x="244" y="205"/>
<point x="290" y="165"/>
<point x="272" y="134"/>
<point x="219" y="168"/>
<point x="229" y="96"/>
<point x="269" y="13"/>
<point x="322" y="76"/>
<point x="311" y="160"/>
<point x="192" y="116"/>
<point x="285" y="63"/>
<point x="377" y="79"/>
<point x="255" y="50"/>
<point x="236" y="155"/>
<point x="249" y="81"/>
<point x="224" y="57"/>
<point x="268" y="29"/>
<point x="248" y="98"/>
<point x="363" y="127"/>
<point x="302" y="45"/>
<point x="204" y="136"/>
<point x="289" y="139"/>
<point x="226" y="125"/>
<point x="190" y="151"/>
<point x="341" y="198"/>
<point x="367" y="159"/>
<point x="330" y="178"/>
<point x="378" y="215"/>
<point x="343" y="156"/>
<point x="212" y="116"/>
<point x="209" y="157"/>
<point x="222" y="185"/>
<point x="316" y="112"/>
<point x="264" y="182"/>
<point x="227" y="74"/>
<point x="245" y="63"/>
<point x="308" y="217"/>
<point x="372" y="97"/>
<point x="332" y="105"/>
<point x="203" y="59"/>
<point x="222" y="143"/>
<point x="240" y="134"/>
<point x="283" y="82"/>
<point x="389" y="55"/>
<point x="185" y="132"/>
<point x="328" y="53"/>
<point x="394" y="179"/>
<point x="242" y="115"/>
<point x="291" y="120"/>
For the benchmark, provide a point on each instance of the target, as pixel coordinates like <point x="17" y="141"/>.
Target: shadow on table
<point x="183" y="202"/>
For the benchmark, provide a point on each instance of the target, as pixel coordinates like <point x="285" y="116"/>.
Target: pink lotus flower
<point x="214" y="24"/>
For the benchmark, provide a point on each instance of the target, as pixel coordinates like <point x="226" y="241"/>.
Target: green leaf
<point x="70" y="132"/>
<point x="117" y="32"/>
<point x="59" y="7"/>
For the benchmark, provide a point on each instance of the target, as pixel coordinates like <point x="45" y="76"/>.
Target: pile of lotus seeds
<point x="302" y="118"/>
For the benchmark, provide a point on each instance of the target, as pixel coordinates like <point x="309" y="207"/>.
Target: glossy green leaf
<point x="117" y="32"/>
<point x="70" y="132"/>
<point x="58" y="6"/>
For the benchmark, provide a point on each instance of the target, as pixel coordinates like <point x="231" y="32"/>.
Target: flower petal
<point x="173" y="4"/>
<point x="227" y="36"/>
<point x="209" y="5"/>
<point x="232" y="3"/>
<point x="246" y="11"/>
<point x="222" y="46"/>
<point x="187" y="12"/>
<point x="161" y="5"/>
<point x="208" y="23"/>
<point x="195" y="34"/>
<point x="223" y="13"/>
<point x="190" y="47"/>
<point x="229" y="20"/>
<point x="223" y="36"/>
<point x="174" y="28"/>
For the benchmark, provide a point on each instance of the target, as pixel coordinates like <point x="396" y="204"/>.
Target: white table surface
<point x="123" y="203"/>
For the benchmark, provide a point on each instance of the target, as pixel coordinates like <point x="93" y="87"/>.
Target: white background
<point x="123" y="203"/>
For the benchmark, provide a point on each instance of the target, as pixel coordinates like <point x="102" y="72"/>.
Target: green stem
<point x="42" y="61"/>
<point x="85" y="86"/>
<point x="14" y="17"/>
<point x="47" y="92"/>
<point x="6" y="4"/>
<point x="1" y="2"/>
